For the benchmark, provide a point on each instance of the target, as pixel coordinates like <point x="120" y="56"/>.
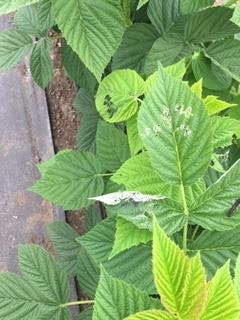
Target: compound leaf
<point x="214" y="105"/>
<point x="94" y="31"/>
<point x="175" y="129"/>
<point x="224" y="129"/>
<point x="135" y="143"/>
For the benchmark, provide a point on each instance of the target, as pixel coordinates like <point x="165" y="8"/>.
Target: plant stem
<point x="195" y="232"/>
<point x="186" y="212"/>
<point x="104" y="174"/>
<point x="127" y="11"/>
<point x="230" y="3"/>
<point x="75" y="303"/>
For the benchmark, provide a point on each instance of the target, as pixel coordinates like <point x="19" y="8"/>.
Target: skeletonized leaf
<point x="72" y="179"/>
<point x="14" y="45"/>
<point x="117" y="95"/>
<point x="94" y="31"/>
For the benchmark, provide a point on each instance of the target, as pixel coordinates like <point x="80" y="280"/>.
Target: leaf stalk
<point x="75" y="303"/>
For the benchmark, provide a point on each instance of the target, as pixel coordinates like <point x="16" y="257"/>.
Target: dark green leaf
<point x="63" y="239"/>
<point x="137" y="41"/>
<point x="112" y="146"/>
<point x="41" y="64"/>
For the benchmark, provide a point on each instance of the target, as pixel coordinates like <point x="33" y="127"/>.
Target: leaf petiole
<point x="75" y="303"/>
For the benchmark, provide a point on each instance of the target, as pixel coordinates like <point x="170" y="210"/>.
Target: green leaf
<point x="225" y="53"/>
<point x="135" y="143"/>
<point x="35" y="19"/>
<point x="21" y="298"/>
<point x="86" y="314"/>
<point x="167" y="50"/>
<point x="178" y="122"/>
<point x="224" y="129"/>
<point x="72" y="180"/>
<point x="99" y="241"/>
<point x="197" y="88"/>
<point x="41" y="64"/>
<point x="214" y="105"/>
<point x="13" y="5"/>
<point x="76" y="69"/>
<point x="128" y="235"/>
<point x="40" y="293"/>
<point x="237" y="278"/>
<point x="94" y="31"/>
<point x="137" y="41"/>
<point x="216" y="248"/>
<point x="141" y="3"/>
<point x="236" y="16"/>
<point x="134" y="266"/>
<point x="151" y="315"/>
<point x="211" y="209"/>
<point x="163" y="14"/>
<point x="116" y="299"/>
<point x="63" y="238"/>
<point x="87" y="273"/>
<point x="112" y="146"/>
<point x="14" y="45"/>
<point x="92" y="217"/>
<point x="213" y="77"/>
<point x="89" y="117"/>
<point x="189" y="6"/>
<point x="210" y="24"/>
<point x="176" y="276"/>
<point x="117" y="95"/>
<point x="168" y="213"/>
<point x="221" y="300"/>
<point x="39" y="266"/>
<point x="148" y="183"/>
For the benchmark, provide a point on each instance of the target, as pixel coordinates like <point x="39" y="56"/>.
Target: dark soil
<point x="64" y="120"/>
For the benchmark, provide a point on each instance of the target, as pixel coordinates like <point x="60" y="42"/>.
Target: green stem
<point x="186" y="212"/>
<point x="127" y="11"/>
<point x="104" y="174"/>
<point x="75" y="303"/>
<point x="195" y="232"/>
<point x="230" y="3"/>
